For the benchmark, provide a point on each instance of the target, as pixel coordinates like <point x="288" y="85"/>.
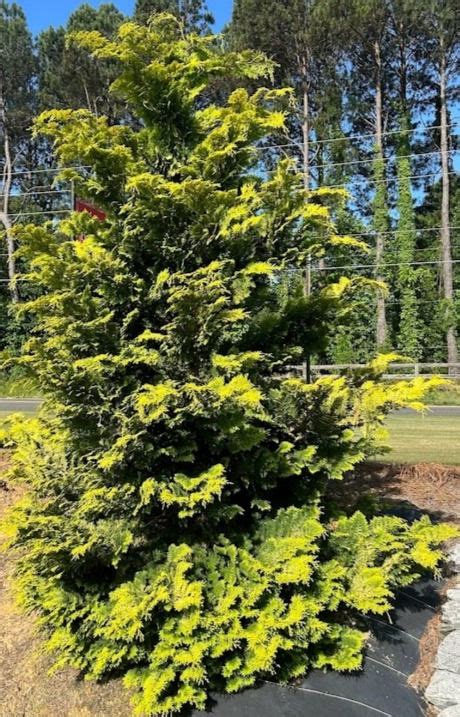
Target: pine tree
<point x="175" y="528"/>
<point x="68" y="76"/>
<point x="365" y="26"/>
<point x="300" y="37"/>
<point x="17" y="73"/>
<point x="436" y="315"/>
<point x="410" y="330"/>
<point x="405" y="20"/>
<point x="193" y="13"/>
<point x="441" y="25"/>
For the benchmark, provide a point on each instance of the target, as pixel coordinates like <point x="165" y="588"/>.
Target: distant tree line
<point x="376" y="112"/>
<point x="378" y="70"/>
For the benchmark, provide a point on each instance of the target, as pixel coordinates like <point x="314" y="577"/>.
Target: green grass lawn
<point x="446" y="396"/>
<point x="5" y="414"/>
<point x="12" y="386"/>
<point x="416" y="438"/>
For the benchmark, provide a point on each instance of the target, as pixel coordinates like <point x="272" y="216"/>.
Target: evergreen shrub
<point x="175" y="528"/>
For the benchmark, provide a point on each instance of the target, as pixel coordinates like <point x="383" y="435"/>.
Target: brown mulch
<point x="433" y="488"/>
<point x="26" y="690"/>
<point x="429" y="645"/>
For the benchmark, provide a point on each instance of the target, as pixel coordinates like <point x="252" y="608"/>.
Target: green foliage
<point x="174" y="529"/>
<point x="448" y="395"/>
<point x="17" y="68"/>
<point x="17" y="384"/>
<point x="381" y="223"/>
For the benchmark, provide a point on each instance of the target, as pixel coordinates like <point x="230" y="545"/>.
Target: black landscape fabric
<point x="380" y="689"/>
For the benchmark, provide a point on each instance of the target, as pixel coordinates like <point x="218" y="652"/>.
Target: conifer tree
<point x="68" y="76"/>
<point x="193" y="13"/>
<point x="17" y="71"/>
<point x="441" y="30"/>
<point x="380" y="225"/>
<point x="176" y="529"/>
<point x="435" y="314"/>
<point x="300" y="37"/>
<point x="363" y="29"/>
<point x="409" y="330"/>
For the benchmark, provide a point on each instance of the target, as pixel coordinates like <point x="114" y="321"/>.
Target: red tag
<point x="82" y="206"/>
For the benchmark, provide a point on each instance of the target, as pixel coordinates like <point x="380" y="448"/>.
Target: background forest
<point x="375" y="111"/>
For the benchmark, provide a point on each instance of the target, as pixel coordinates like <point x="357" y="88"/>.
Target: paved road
<point x="22" y="405"/>
<point x="30" y="405"/>
<point x="453" y="411"/>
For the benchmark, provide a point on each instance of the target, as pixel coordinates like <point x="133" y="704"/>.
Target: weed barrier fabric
<point x="381" y="689"/>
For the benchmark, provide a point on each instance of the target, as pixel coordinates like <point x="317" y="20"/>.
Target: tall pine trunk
<point x="306" y="184"/>
<point x="306" y="134"/>
<point x="306" y="153"/>
<point x="409" y="323"/>
<point x="7" y="181"/>
<point x="446" y="246"/>
<point x="409" y="326"/>
<point x="380" y="211"/>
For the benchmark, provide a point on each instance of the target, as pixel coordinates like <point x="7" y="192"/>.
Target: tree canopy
<point x="193" y="13"/>
<point x="68" y="76"/>
<point x="367" y="76"/>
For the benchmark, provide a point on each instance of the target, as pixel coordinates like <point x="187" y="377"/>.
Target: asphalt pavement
<point x="453" y="411"/>
<point x="19" y="405"/>
<point x="30" y="405"/>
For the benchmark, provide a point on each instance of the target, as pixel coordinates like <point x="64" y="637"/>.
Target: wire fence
<point x="397" y="371"/>
<point x="368" y="135"/>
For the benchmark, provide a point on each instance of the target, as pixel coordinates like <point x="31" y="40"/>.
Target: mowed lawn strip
<point x="7" y="414"/>
<point x="423" y="438"/>
<point x="414" y="438"/>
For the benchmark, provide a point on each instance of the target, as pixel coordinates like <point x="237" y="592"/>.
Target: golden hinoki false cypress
<point x="175" y="528"/>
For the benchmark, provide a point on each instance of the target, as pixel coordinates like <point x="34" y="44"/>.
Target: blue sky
<point x="43" y="13"/>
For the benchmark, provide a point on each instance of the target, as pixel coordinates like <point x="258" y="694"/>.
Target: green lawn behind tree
<point x="414" y="438"/>
<point x="424" y="438"/>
